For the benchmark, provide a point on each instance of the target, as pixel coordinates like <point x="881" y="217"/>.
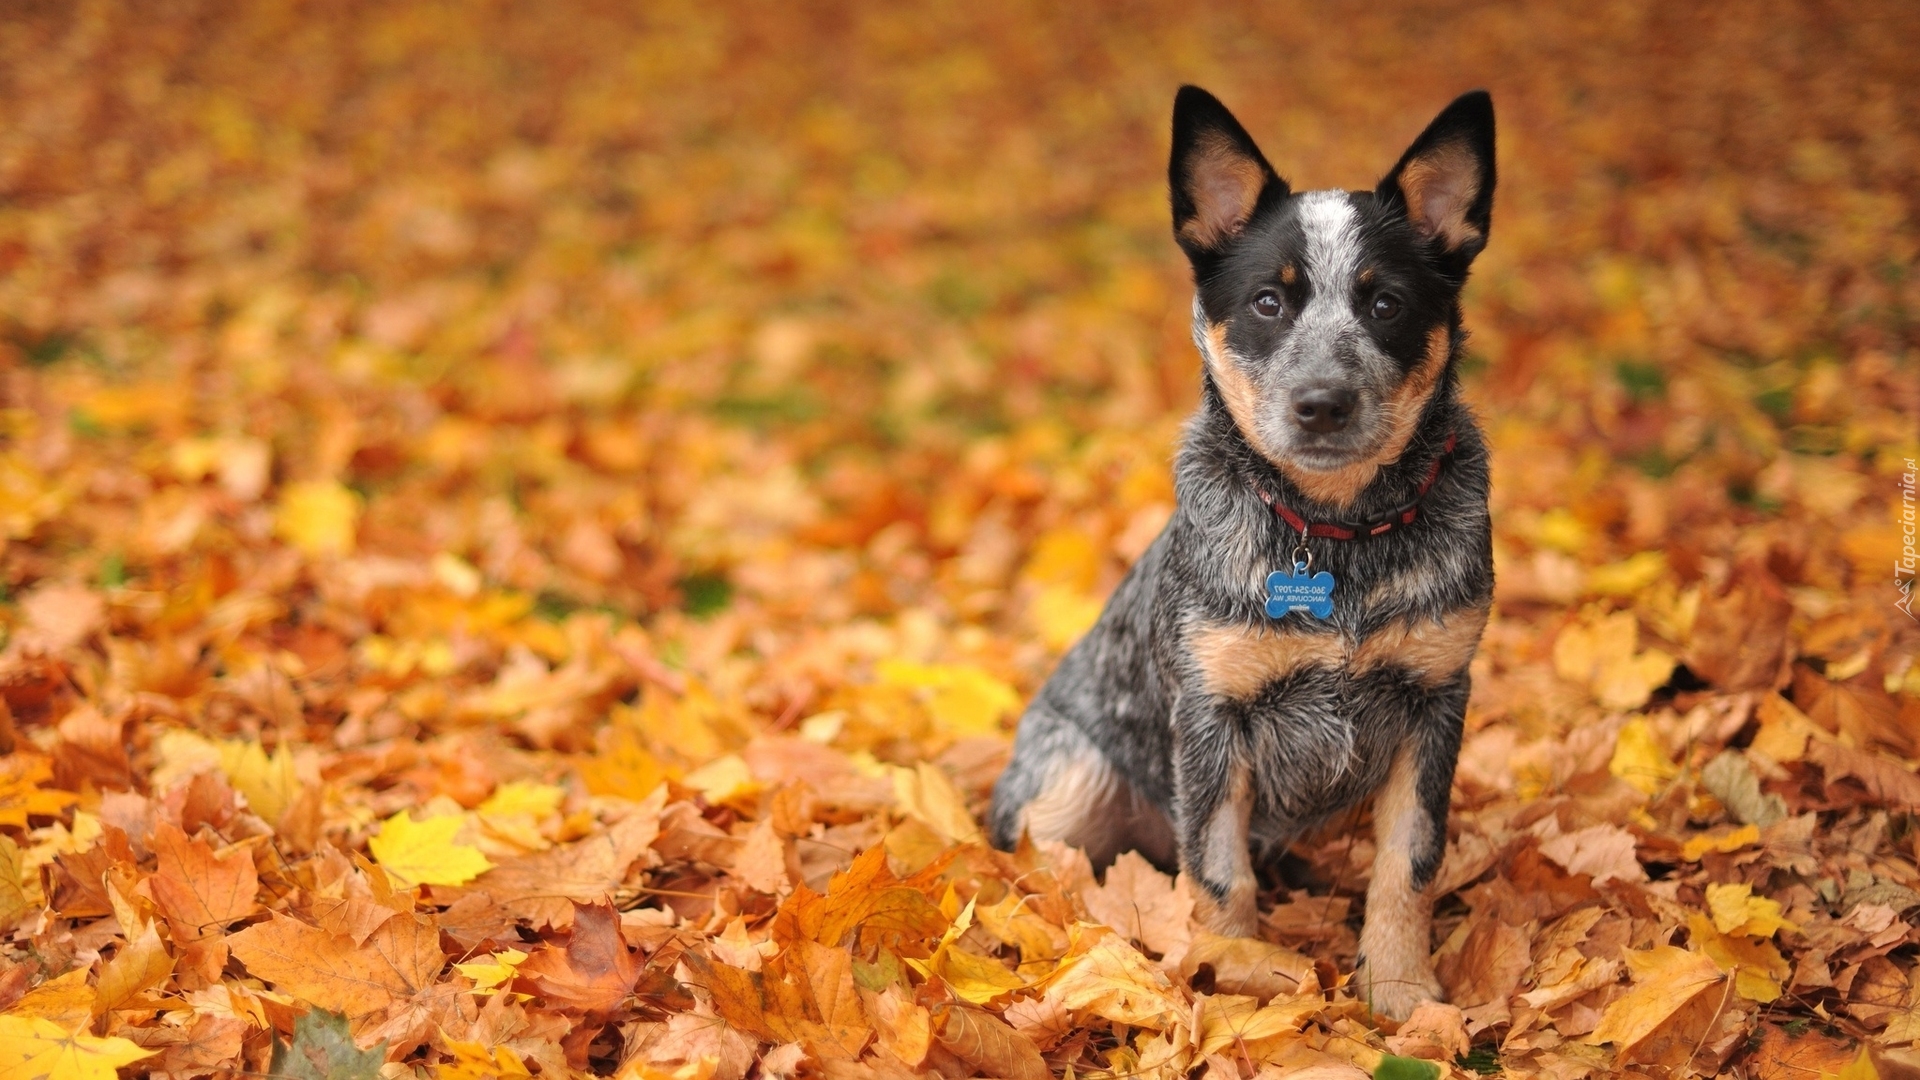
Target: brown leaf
<point x="199" y="892"/>
<point x="1235" y="965"/>
<point x="594" y="972"/>
<point x="1739" y="639"/>
<point x="212" y="1044"/>
<point x="1142" y="903"/>
<point x="988" y="1043"/>
<point x="1888" y="782"/>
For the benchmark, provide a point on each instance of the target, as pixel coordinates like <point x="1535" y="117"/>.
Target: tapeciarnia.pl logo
<point x="1904" y="568"/>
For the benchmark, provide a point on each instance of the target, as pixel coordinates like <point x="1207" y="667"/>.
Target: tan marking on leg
<point x="1239" y="661"/>
<point x="1397" y="937"/>
<point x="1089" y="806"/>
<point x="1229" y="858"/>
<point x="1439" y="186"/>
<point x="1224" y="184"/>
<point x="1343" y="485"/>
<point x="1433" y="650"/>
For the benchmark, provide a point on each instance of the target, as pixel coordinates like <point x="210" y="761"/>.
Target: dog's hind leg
<point x="1059" y="786"/>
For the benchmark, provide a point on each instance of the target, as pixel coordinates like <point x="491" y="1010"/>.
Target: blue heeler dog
<point x="1297" y="639"/>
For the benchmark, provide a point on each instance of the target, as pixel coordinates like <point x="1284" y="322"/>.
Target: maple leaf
<point x="1142" y="903"/>
<point x="31" y="1046"/>
<point x="988" y="1043"/>
<point x="199" y="891"/>
<point x="399" y="960"/>
<point x="593" y="972"/>
<point x="975" y="978"/>
<point x="423" y="852"/>
<point x="22" y="796"/>
<point x="1106" y="977"/>
<point x="322" y="1049"/>
<point x="1603" y="654"/>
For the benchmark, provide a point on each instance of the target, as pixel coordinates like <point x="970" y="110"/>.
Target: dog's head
<point x="1326" y="317"/>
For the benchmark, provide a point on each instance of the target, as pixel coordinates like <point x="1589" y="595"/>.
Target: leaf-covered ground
<point x="528" y="526"/>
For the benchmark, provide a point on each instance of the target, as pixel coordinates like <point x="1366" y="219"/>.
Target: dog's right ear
<point x="1217" y="177"/>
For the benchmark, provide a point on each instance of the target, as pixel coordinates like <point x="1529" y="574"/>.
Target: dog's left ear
<point x="1444" y="182"/>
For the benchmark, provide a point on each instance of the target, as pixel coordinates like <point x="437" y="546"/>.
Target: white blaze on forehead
<point x="1333" y="255"/>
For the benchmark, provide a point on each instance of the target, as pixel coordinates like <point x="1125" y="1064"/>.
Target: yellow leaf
<point x="1113" y="980"/>
<point x="21" y="795"/>
<point x="1064" y="556"/>
<point x="66" y="1001"/>
<point x="319" y="517"/>
<point x="423" y="852"/>
<point x="142" y="964"/>
<point x="1693" y="850"/>
<point x="963" y="698"/>
<point x="1638" y="759"/>
<point x="1756" y="966"/>
<point x="524" y="797"/>
<point x="1862" y="1068"/>
<point x="1629" y="575"/>
<point x="724" y="780"/>
<point x="474" y="1061"/>
<point x="494" y="970"/>
<point x="925" y="793"/>
<point x="1062" y="615"/>
<point x="268" y="782"/>
<point x="19" y="891"/>
<point x="975" y="978"/>
<point x="33" y="1047"/>
<point x="1664" y="978"/>
<point x="1737" y="911"/>
<point x="1602" y="653"/>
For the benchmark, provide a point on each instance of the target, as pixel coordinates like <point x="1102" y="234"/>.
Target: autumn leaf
<point x="398" y="960"/>
<point x="592" y="972"/>
<point x="322" y="1049"/>
<point x="318" y="516"/>
<point x="423" y="852"/>
<point x="1664" y="979"/>
<point x="199" y="891"/>
<point x="34" y="1047"/>
<point x="21" y="794"/>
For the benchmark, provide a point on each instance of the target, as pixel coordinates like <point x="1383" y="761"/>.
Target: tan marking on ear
<point x="1439" y="187"/>
<point x="1289" y="274"/>
<point x="1343" y="485"/>
<point x="1087" y="805"/>
<point x="1239" y="661"/>
<point x="1224" y="184"/>
<point x="1228" y="855"/>
<point x="1433" y="650"/>
<point x="1397" y="936"/>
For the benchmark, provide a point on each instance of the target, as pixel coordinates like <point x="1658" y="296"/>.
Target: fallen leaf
<point x="399" y="960"/>
<point x="1664" y="979"/>
<point x="987" y="1043"/>
<point x="322" y="1049"/>
<point x="31" y="1046"/>
<point x="592" y="972"/>
<point x="423" y="852"/>
<point x="319" y="517"/>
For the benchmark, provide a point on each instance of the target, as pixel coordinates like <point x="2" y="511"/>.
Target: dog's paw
<point x="1395" y="994"/>
<point x="1238" y="915"/>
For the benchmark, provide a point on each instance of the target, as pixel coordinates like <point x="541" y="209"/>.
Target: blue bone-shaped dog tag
<point x="1296" y="591"/>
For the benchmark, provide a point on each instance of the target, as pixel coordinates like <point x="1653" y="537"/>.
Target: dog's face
<point x="1326" y="317"/>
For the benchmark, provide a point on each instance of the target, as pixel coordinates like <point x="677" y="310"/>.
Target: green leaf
<point x="322" y="1049"/>
<point x="1405" y="1068"/>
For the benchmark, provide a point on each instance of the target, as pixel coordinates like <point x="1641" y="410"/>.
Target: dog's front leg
<point x="1410" y="833"/>
<point x="1213" y="799"/>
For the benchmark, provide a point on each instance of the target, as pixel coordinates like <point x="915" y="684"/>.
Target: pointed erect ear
<point x="1217" y="176"/>
<point x="1444" y="182"/>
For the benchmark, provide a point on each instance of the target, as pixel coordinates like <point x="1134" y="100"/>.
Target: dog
<point x="1297" y="638"/>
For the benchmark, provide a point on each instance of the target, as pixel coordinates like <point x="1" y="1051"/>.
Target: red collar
<point x="1403" y="514"/>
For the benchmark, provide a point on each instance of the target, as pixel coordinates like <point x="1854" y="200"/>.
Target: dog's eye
<point x="1385" y="306"/>
<point x="1267" y="304"/>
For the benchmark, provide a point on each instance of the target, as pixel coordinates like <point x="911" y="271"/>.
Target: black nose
<point x="1323" y="408"/>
